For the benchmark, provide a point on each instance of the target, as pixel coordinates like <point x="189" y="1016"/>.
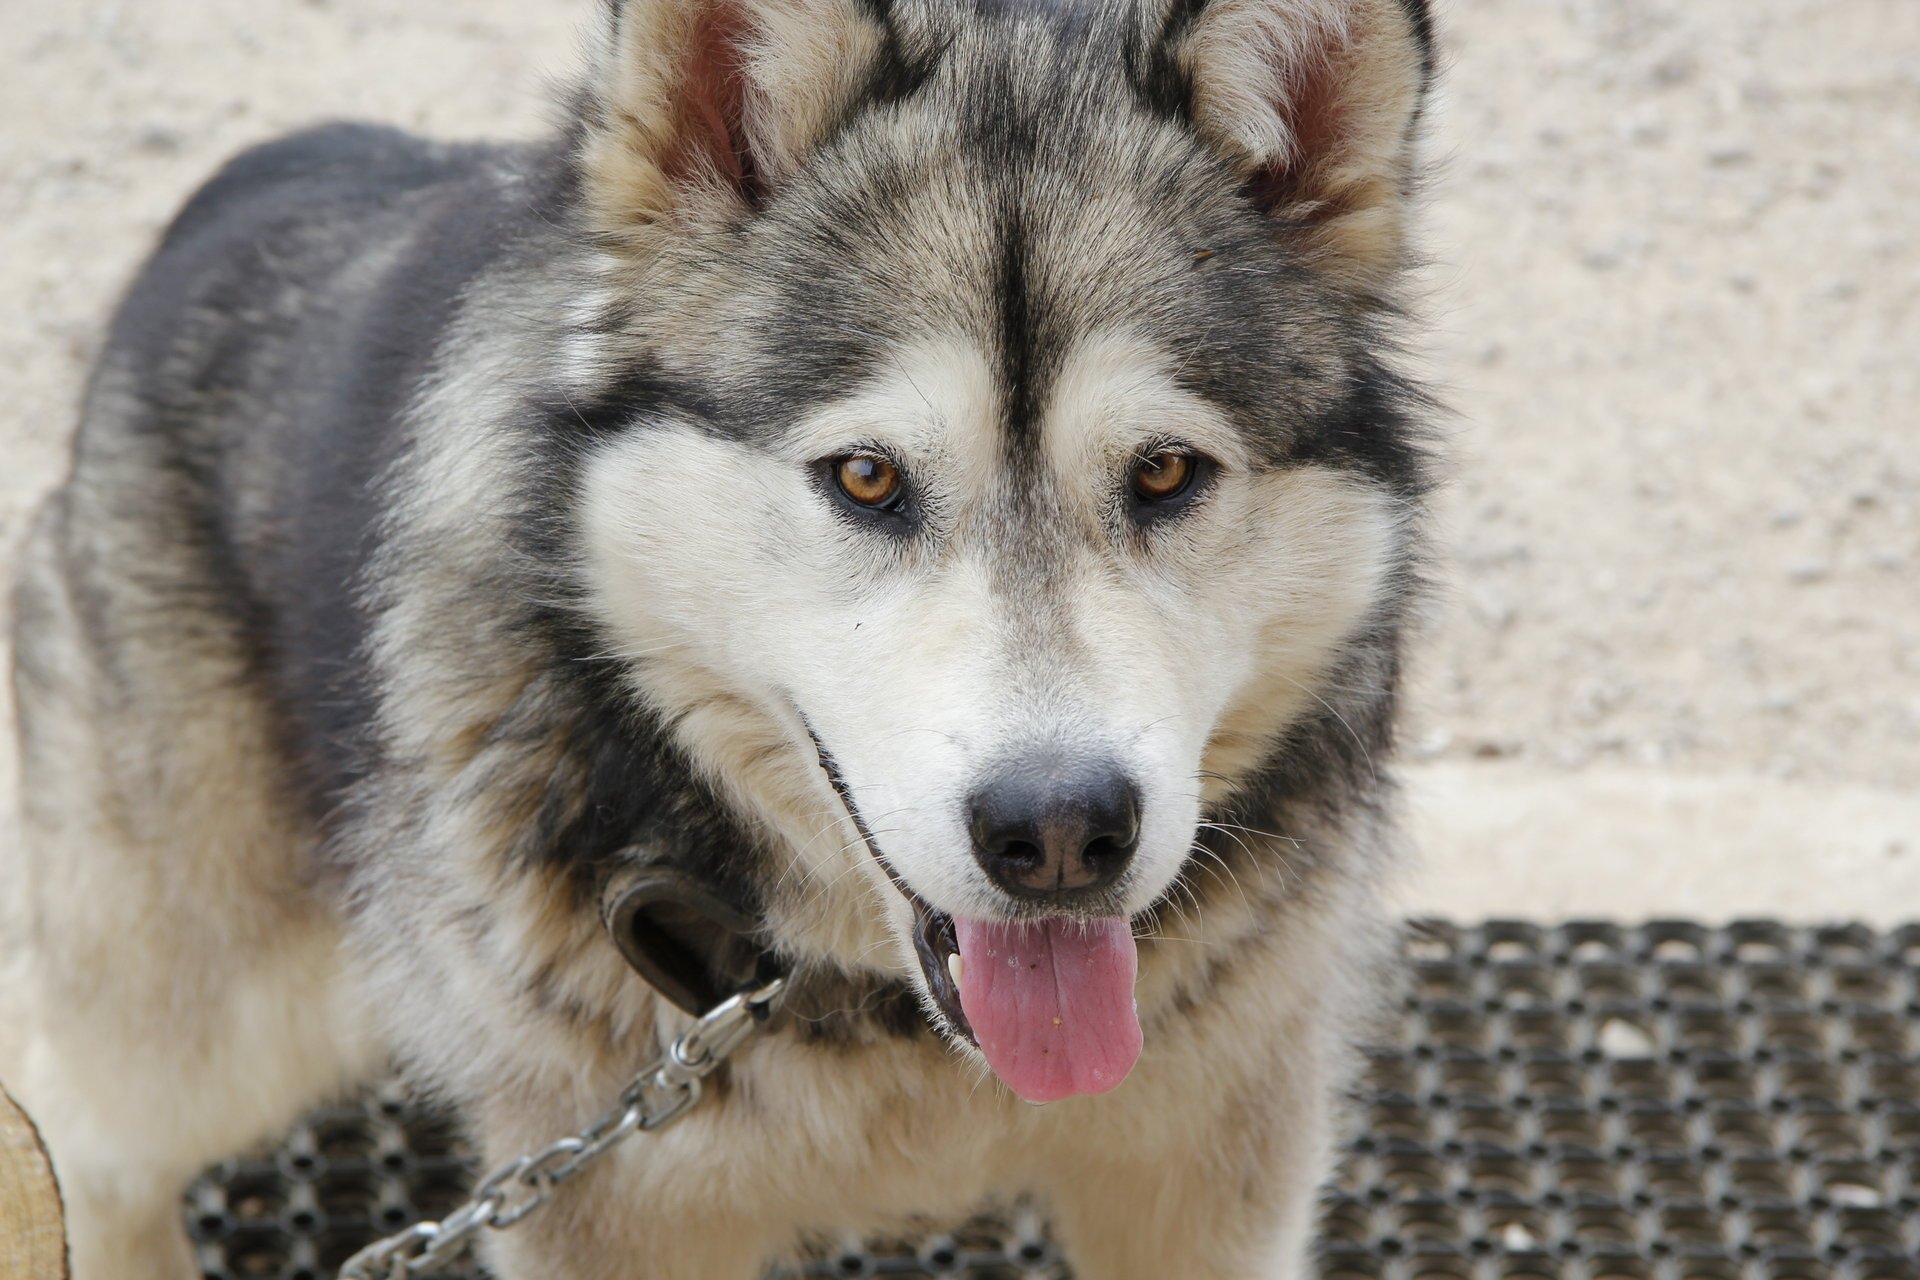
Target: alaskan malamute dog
<point x="928" y="473"/>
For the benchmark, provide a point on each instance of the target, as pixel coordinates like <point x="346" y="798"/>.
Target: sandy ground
<point x="1675" y="658"/>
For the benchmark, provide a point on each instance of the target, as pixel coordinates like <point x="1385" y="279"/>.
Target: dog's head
<point x="1010" y="461"/>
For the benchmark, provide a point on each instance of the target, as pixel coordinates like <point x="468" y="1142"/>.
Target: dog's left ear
<point x="1316" y="103"/>
<point x="696" y="108"/>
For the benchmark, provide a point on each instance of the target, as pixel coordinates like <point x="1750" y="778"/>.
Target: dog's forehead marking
<point x="938" y="240"/>
<point x="939" y="400"/>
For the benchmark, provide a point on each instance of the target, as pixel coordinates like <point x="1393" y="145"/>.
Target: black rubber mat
<point x="1588" y="1101"/>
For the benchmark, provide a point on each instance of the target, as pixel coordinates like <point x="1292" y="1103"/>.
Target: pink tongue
<point x="1052" y="1003"/>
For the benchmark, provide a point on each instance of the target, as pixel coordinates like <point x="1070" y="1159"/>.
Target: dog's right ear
<point x="696" y="108"/>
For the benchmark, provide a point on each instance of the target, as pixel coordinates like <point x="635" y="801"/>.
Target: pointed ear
<point x="696" y="108"/>
<point x="1316" y="103"/>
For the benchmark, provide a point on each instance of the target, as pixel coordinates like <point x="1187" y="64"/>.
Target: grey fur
<point x="335" y="686"/>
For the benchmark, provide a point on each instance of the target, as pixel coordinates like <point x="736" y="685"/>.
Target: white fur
<point x="752" y="605"/>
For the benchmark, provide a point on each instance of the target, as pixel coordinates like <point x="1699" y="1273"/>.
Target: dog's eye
<point x="1163" y="475"/>
<point x="869" y="480"/>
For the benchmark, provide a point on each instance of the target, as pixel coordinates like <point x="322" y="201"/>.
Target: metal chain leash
<point x="663" y="1092"/>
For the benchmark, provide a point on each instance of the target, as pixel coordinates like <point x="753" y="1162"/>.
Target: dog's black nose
<point x="1046" y="827"/>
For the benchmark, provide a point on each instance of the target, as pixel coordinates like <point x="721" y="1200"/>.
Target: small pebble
<point x="1852" y="1195"/>
<point x="1515" y="1238"/>
<point x="1621" y="1040"/>
<point x="1809" y="571"/>
<point x="1675" y="68"/>
<point x="159" y="140"/>
<point x="1492" y="607"/>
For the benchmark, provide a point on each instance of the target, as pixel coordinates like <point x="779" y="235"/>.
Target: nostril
<point x="1022" y="853"/>
<point x="1048" y="826"/>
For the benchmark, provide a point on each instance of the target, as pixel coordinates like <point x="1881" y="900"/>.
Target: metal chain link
<point x="664" y="1091"/>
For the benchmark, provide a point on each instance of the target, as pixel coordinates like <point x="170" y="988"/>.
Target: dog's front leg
<point x="1164" y="1222"/>
<point x="1189" y="1186"/>
<point x="609" y="1237"/>
<point x="666" y="1205"/>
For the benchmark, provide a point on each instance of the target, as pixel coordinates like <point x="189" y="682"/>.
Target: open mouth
<point x="937" y="944"/>
<point x="1049" y="1003"/>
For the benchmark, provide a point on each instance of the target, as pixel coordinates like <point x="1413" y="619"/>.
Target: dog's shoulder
<point x="328" y="167"/>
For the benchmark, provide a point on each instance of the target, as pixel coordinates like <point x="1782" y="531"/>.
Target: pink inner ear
<point x="713" y="103"/>
<point x="1316" y="114"/>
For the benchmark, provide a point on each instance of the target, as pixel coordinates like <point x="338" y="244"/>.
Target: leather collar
<point x="681" y="932"/>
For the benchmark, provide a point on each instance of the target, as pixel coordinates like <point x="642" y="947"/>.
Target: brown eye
<point x="869" y="480"/>
<point x="1162" y="475"/>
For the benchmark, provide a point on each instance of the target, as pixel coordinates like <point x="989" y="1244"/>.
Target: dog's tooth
<point x="953" y="967"/>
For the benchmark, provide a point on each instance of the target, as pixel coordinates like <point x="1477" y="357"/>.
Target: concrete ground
<point x="1674" y="664"/>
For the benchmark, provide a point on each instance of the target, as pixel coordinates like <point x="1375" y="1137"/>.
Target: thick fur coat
<point x="453" y="525"/>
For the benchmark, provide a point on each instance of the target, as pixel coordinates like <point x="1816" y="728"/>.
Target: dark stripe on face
<point x="898" y="73"/>
<point x="641" y="391"/>
<point x="1017" y="340"/>
<point x="1421" y="15"/>
<point x="624" y="780"/>
<point x="1372" y="430"/>
<point x="1158" y="80"/>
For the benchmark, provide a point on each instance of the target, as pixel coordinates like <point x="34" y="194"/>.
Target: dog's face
<point x="1015" y="461"/>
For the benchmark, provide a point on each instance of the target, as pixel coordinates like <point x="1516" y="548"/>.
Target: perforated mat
<point x="1594" y="1102"/>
